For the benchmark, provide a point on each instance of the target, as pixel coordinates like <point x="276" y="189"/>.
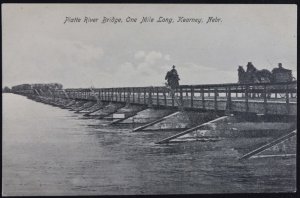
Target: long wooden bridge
<point x="259" y="98"/>
<point x="214" y="104"/>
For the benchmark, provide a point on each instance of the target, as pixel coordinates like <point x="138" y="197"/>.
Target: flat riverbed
<point x="51" y="151"/>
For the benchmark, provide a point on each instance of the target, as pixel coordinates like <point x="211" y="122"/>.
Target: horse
<point x="172" y="80"/>
<point x="253" y="75"/>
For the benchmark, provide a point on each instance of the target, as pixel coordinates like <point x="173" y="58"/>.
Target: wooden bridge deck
<point x="259" y="98"/>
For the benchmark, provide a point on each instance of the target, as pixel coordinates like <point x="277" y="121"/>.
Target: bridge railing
<point x="190" y="96"/>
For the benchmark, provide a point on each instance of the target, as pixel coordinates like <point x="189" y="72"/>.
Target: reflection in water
<point x="52" y="151"/>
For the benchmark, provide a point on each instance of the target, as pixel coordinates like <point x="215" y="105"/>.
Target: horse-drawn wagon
<point x="275" y="81"/>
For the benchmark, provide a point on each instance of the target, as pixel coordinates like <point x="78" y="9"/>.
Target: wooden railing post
<point x="107" y="94"/>
<point x="157" y="96"/>
<point x="287" y="99"/>
<point x="165" y="97"/>
<point x="228" y="103"/>
<point x="110" y="94"/>
<point x="192" y="97"/>
<point x="120" y="94"/>
<point x="215" y="98"/>
<point x="116" y="94"/>
<point x="139" y="95"/>
<point x="173" y="96"/>
<point x="181" y="96"/>
<point x="128" y="96"/>
<point x="202" y="96"/>
<point x="145" y="96"/>
<point x="133" y="95"/>
<point x="246" y="98"/>
<point x="124" y="95"/>
<point x="265" y="99"/>
<point x="150" y="97"/>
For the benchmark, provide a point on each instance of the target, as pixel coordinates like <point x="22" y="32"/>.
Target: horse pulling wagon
<point x="277" y="79"/>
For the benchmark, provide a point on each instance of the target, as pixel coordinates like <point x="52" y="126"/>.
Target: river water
<point x="51" y="151"/>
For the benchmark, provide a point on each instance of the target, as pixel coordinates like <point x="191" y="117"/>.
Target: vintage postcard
<point x="148" y="99"/>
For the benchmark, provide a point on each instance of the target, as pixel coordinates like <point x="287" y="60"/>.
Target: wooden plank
<point x="190" y="130"/>
<point x="279" y="155"/>
<point x="154" y="122"/>
<point x="120" y="120"/>
<point x="87" y="114"/>
<point x="108" y="114"/>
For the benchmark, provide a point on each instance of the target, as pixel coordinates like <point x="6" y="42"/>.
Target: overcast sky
<point x="38" y="47"/>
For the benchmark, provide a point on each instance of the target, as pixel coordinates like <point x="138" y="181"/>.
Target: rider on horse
<point x="172" y="78"/>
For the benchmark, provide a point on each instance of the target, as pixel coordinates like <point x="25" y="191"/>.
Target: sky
<point x="37" y="47"/>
